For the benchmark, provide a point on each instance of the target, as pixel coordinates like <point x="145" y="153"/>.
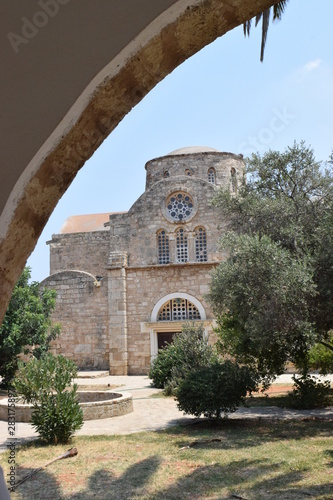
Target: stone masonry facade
<point x="126" y="282"/>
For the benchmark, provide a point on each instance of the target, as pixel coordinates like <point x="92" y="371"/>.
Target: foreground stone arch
<point x="40" y="162"/>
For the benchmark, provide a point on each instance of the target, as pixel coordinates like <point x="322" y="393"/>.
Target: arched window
<point x="211" y="175"/>
<point x="188" y="172"/>
<point x="166" y="173"/>
<point x="200" y="245"/>
<point x="233" y="175"/>
<point x="178" y="310"/>
<point x="181" y="246"/>
<point x="163" y="247"/>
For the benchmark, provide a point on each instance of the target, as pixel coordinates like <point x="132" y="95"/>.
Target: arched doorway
<point x="168" y="316"/>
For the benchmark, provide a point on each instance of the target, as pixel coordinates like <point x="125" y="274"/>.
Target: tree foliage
<point x="273" y="295"/>
<point x="309" y="393"/>
<point x="189" y="351"/>
<point x="216" y="389"/>
<point x="265" y="294"/>
<point x="26" y="328"/>
<point x="46" y="384"/>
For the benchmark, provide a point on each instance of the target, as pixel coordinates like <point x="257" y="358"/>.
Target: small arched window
<point x="178" y="310"/>
<point x="200" y="245"/>
<point x="211" y="175"/>
<point x="166" y="173"/>
<point x="181" y="246"/>
<point x="188" y="172"/>
<point x="163" y="247"/>
<point x="233" y="175"/>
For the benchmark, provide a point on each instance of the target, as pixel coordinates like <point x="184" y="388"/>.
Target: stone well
<point x="95" y="405"/>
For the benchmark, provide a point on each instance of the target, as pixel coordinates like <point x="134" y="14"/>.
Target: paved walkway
<point x="153" y="413"/>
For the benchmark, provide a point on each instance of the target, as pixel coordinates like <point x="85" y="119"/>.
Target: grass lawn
<point x="250" y="460"/>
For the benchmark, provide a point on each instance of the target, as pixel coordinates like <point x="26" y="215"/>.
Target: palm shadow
<point x="104" y="486"/>
<point x="42" y="481"/>
<point x="204" y="481"/>
<point x="240" y="433"/>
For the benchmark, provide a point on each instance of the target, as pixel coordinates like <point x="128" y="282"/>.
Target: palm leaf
<point x="278" y="10"/>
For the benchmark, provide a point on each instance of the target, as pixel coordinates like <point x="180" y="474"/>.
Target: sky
<point x="222" y="97"/>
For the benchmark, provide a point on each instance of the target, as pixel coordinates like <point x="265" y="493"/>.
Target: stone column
<point x="117" y="298"/>
<point x="172" y="248"/>
<point x="191" y="246"/>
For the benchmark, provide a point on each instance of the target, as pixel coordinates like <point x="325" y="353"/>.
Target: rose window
<point x="179" y="206"/>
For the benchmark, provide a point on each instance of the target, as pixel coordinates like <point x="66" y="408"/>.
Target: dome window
<point x="211" y="175"/>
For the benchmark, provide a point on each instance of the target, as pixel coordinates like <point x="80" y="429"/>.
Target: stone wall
<point x="195" y="165"/>
<point x="135" y="231"/>
<point x="145" y="287"/>
<point x="82" y="251"/>
<point x="81" y="309"/>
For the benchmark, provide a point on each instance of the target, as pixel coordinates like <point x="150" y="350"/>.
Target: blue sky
<point x="222" y="97"/>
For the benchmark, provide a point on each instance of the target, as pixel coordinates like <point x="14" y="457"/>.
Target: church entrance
<point x="164" y="338"/>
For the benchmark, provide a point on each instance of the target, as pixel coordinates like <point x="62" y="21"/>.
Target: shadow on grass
<point x="247" y="478"/>
<point x="43" y="483"/>
<point x="104" y="486"/>
<point x="205" y="481"/>
<point x="329" y="454"/>
<point x="238" y="433"/>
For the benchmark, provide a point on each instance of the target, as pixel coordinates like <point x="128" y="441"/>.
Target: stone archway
<point x="171" y="326"/>
<point x="181" y="30"/>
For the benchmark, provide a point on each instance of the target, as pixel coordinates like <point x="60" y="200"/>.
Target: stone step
<point x="92" y="374"/>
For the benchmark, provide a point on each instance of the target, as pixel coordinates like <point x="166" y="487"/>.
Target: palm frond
<point x="265" y="25"/>
<point x="247" y="27"/>
<point x="278" y="10"/>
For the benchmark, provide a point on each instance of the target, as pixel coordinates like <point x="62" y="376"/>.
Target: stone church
<point x="127" y="281"/>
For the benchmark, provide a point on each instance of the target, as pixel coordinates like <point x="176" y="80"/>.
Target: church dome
<point x="192" y="149"/>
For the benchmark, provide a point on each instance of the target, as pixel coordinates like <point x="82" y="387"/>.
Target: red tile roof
<point x="86" y="223"/>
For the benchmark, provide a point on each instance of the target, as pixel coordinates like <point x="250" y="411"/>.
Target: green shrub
<point x="309" y="393"/>
<point x="321" y="358"/>
<point x="46" y="384"/>
<point x="215" y="389"/>
<point x="189" y="350"/>
<point x="58" y="417"/>
<point x="161" y="367"/>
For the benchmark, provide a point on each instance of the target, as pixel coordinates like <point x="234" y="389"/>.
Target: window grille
<point x="211" y="175"/>
<point x="179" y="206"/>
<point x="200" y="245"/>
<point x="181" y="246"/>
<point x="163" y="247"/>
<point x="178" y="310"/>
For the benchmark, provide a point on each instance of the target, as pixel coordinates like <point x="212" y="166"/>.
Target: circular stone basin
<point x="95" y="405"/>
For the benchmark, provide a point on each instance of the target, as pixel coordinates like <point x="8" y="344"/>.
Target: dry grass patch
<point x="254" y="460"/>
